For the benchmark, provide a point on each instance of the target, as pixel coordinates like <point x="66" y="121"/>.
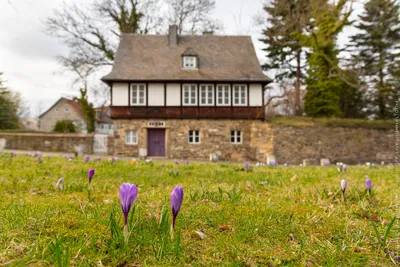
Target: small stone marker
<point x="142" y="153"/>
<point x="325" y="162"/>
<point x="2" y="144"/>
<point x="79" y="150"/>
<point x="306" y="162"/>
<point x="214" y="157"/>
<point x="271" y="159"/>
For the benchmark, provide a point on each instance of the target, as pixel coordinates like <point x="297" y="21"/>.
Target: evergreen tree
<point x="377" y="48"/>
<point x="286" y="22"/>
<point x="88" y="110"/>
<point x="323" y="82"/>
<point x="8" y="109"/>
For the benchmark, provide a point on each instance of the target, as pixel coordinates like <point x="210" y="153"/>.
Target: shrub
<point x="64" y="126"/>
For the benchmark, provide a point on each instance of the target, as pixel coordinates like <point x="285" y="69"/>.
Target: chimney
<point x="173" y="35"/>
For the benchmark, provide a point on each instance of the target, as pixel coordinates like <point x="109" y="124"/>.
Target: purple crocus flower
<point x="60" y="183"/>
<point x="187" y="162"/>
<point x="98" y="159"/>
<point x="246" y="165"/>
<point x="40" y="159"/>
<point x="87" y="158"/>
<point x="113" y="160"/>
<point x="368" y="184"/>
<point x="70" y="159"/>
<point x="340" y="168"/>
<point x="127" y="195"/>
<point x="344" y="167"/>
<point x="49" y="157"/>
<point x="12" y="154"/>
<point x="176" y="161"/>
<point x="176" y="203"/>
<point x="91" y="174"/>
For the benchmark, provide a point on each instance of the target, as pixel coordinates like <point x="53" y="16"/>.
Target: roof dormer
<point x="190" y="60"/>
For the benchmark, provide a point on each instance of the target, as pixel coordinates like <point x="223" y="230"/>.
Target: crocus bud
<point x="246" y="165"/>
<point x="368" y="184"/>
<point x="91" y="174"/>
<point x="127" y="195"/>
<point x="176" y="202"/>
<point x="60" y="183"/>
<point x="87" y="158"/>
<point x="343" y="185"/>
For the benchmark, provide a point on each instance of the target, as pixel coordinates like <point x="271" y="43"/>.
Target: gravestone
<point x="325" y="162"/>
<point x="271" y="159"/>
<point x="142" y="153"/>
<point x="79" y="150"/>
<point x="2" y="144"/>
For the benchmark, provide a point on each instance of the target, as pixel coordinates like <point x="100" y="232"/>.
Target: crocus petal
<point x="176" y="200"/>
<point x="127" y="194"/>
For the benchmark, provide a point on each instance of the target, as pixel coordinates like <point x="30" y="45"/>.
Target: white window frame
<point x="208" y="88"/>
<point x="240" y="98"/>
<point x="225" y="88"/>
<point x="139" y="87"/>
<point x="235" y="134"/>
<point x="190" y="62"/>
<point x="191" y="94"/>
<point x="131" y="137"/>
<point x="193" y="134"/>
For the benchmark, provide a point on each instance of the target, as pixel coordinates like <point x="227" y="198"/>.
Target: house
<point x="104" y="124"/>
<point x="63" y="109"/>
<point x="29" y="124"/>
<point x="187" y="97"/>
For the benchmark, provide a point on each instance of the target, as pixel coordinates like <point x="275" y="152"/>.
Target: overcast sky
<point x="28" y="56"/>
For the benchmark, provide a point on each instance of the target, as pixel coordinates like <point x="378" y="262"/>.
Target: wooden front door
<point x="156" y="142"/>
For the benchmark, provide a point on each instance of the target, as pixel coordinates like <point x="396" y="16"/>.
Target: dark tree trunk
<point x="298" y="111"/>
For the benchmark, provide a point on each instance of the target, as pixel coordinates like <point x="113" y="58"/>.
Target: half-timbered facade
<point x="185" y="96"/>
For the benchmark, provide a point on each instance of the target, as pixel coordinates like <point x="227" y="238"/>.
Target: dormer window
<point x="190" y="59"/>
<point x="190" y="62"/>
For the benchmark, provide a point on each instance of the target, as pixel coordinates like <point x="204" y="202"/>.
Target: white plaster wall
<point x="255" y="95"/>
<point x="173" y="94"/>
<point x="156" y="94"/>
<point x="120" y="94"/>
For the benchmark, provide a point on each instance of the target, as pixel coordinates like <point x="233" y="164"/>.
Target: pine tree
<point x="377" y="48"/>
<point x="286" y="22"/>
<point x="323" y="82"/>
<point x="8" y="109"/>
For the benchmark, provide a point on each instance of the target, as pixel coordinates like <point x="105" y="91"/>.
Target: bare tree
<point x="92" y="33"/>
<point x="193" y="16"/>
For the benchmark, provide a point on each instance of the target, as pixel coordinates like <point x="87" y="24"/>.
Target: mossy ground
<point x="271" y="216"/>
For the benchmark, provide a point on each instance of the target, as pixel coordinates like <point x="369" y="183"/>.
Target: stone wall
<point x="48" y="142"/>
<point x="214" y="136"/>
<point x="350" y="145"/>
<point x="293" y="144"/>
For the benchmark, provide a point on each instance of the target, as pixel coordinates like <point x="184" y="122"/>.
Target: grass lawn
<point x="271" y="216"/>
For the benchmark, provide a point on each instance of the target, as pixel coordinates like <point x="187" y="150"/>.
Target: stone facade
<point x="260" y="139"/>
<point x="214" y="138"/>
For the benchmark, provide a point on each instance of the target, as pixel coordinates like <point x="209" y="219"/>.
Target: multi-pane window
<point x="189" y="62"/>
<point x="236" y="137"/>
<point x="131" y="137"/>
<point x="189" y="94"/>
<point x="206" y="94"/>
<point x="239" y="95"/>
<point x="194" y="137"/>
<point x="138" y="93"/>
<point x="223" y="95"/>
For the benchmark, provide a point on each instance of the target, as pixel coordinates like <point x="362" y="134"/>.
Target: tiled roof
<point x="221" y="58"/>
